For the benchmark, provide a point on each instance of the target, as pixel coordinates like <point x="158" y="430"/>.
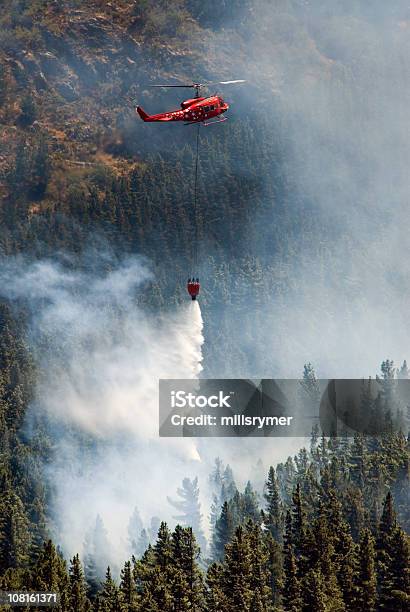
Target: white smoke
<point x="100" y="359"/>
<point x="102" y="356"/>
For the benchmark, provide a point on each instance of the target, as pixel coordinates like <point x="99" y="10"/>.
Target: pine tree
<point x="128" y="594"/>
<point x="96" y="553"/>
<point x="250" y="505"/>
<point x="274" y="568"/>
<point x="142" y="569"/>
<point x="162" y="548"/>
<point x="78" y="601"/>
<point x="310" y="385"/>
<point x="323" y="452"/>
<point x="314" y="437"/>
<point x="223" y="532"/>
<point x="366" y="583"/>
<point x="109" y="599"/>
<point x="237" y="572"/>
<point x="135" y="528"/>
<point x="388" y="385"/>
<point x="185" y="554"/>
<point x="215" y="596"/>
<point x="354" y="510"/>
<point x="298" y="524"/>
<point x="158" y="590"/>
<point x="319" y="554"/>
<point x="399" y="571"/>
<point x="216" y="507"/>
<point x="314" y="597"/>
<point x="216" y="477"/>
<point x="272" y="516"/>
<point x="155" y="574"/>
<point x="344" y="558"/>
<point x="404" y="372"/>
<point x="190" y="508"/>
<point x="229" y="483"/>
<point x="392" y="561"/>
<point x="358" y="461"/>
<point x="260" y="576"/>
<point x="220" y="495"/>
<point x="385" y="550"/>
<point x="154" y="528"/>
<point x="180" y="601"/>
<point x="285" y="473"/>
<point x="142" y="544"/>
<point x="388" y="521"/>
<point x="50" y="573"/>
<point x="291" y="593"/>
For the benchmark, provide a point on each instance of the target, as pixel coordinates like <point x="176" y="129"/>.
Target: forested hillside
<point x="328" y="534"/>
<point x="302" y="239"/>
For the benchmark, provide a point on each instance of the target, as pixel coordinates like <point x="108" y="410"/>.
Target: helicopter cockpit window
<point x="206" y="108"/>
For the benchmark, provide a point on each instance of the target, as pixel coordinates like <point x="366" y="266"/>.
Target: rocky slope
<point x="72" y="72"/>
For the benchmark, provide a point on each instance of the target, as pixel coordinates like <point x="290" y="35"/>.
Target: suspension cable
<point x="196" y="232"/>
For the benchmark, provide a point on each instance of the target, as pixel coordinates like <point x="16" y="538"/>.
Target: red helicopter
<point x="194" y="110"/>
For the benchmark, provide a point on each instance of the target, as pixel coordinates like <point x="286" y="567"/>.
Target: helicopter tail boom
<point x="144" y="116"/>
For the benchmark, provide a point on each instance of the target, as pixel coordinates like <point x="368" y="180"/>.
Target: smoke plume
<point x="100" y="357"/>
<point x="331" y="83"/>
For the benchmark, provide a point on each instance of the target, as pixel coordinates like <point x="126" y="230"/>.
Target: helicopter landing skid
<point x="214" y="122"/>
<point x="205" y="124"/>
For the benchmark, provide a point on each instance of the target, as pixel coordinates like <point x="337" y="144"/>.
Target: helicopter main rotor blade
<point x="230" y="82"/>
<point x="222" y="82"/>
<point x="199" y="85"/>
<point x="167" y="86"/>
